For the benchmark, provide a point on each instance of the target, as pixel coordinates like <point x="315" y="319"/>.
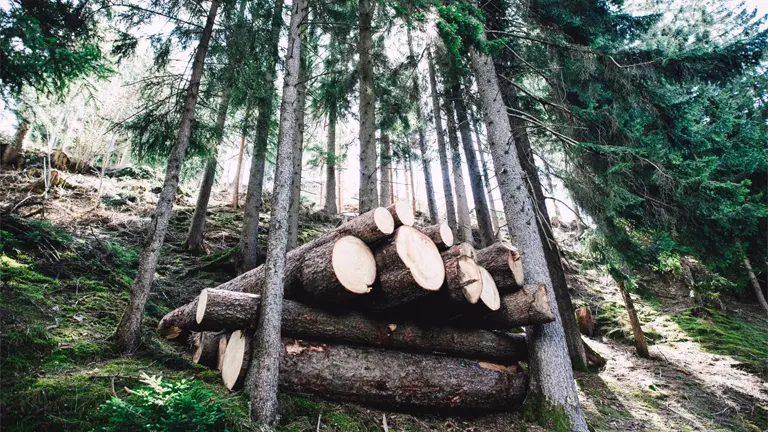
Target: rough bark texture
<point x="528" y="306"/>
<point x="402" y="213"/>
<point x="385" y="179"/>
<point x="196" y="232"/>
<point x="298" y="154"/>
<point x="484" y="225"/>
<point x="461" y="249"/>
<point x="464" y="232"/>
<point x="395" y="379"/>
<point x="425" y="162"/>
<point x="128" y="330"/>
<point x="463" y="281"/>
<point x="755" y="284"/>
<point x="261" y="381"/>
<point x="551" y="373"/>
<point x="450" y="207"/>
<point x="640" y="345"/>
<point x="179" y="323"/>
<point x="216" y="309"/>
<point x="440" y="234"/>
<point x="205" y="348"/>
<point x="236" y="184"/>
<point x="367" y="193"/>
<point x="249" y="237"/>
<point x="340" y="271"/>
<point x="330" y="165"/>
<point x="487" y="183"/>
<point x="504" y="263"/>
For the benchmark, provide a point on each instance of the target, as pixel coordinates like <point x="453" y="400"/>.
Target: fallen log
<point x="206" y="348"/>
<point x="178" y="324"/>
<point x="234" y="363"/>
<point x="528" y="306"/>
<point x="216" y="308"/>
<point x="402" y="213"/>
<point x="440" y="234"/>
<point x="304" y="322"/>
<point x="410" y="266"/>
<point x="503" y="262"/>
<point x="461" y="249"/>
<point x="463" y="280"/>
<point x="489" y="296"/>
<point x="350" y="271"/>
<point x="393" y="379"/>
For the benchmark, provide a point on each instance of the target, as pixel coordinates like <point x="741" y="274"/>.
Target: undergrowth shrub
<point x="166" y="406"/>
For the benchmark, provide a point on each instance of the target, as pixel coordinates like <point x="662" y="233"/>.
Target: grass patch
<point x="298" y="414"/>
<point x="745" y="341"/>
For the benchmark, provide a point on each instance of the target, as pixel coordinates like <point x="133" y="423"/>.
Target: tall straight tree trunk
<point x="640" y="345"/>
<point x="425" y="163"/>
<point x="551" y="373"/>
<point x="249" y="237"/>
<point x="339" y="196"/>
<point x="129" y="328"/>
<point x="755" y="284"/>
<point x="261" y="380"/>
<point x="330" y="165"/>
<point x="487" y="183"/>
<point x="236" y="185"/>
<point x="197" y="228"/>
<point x="367" y="193"/>
<point x="392" y="198"/>
<point x="104" y="162"/>
<point x="464" y="231"/>
<point x="450" y="208"/>
<point x="551" y="251"/>
<point x="298" y="154"/>
<point x="484" y="224"/>
<point x="412" y="184"/>
<point x="385" y="180"/>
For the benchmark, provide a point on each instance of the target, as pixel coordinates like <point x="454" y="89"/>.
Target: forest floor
<point x="64" y="281"/>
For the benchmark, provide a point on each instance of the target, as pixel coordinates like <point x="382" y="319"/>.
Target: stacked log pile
<point x="378" y="311"/>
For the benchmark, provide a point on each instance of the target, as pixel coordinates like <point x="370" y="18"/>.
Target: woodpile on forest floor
<point x="380" y="312"/>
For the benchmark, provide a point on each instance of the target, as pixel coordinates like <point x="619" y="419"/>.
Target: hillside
<point x="66" y="266"/>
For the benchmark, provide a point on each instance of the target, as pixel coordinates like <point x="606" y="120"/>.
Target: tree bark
<point x="196" y="233"/>
<point x="330" y="165"/>
<point x="425" y="162"/>
<point x="503" y="261"/>
<point x="402" y="213"/>
<point x="178" y="324"/>
<point x="205" y="348"/>
<point x="755" y="284"/>
<point x="298" y="155"/>
<point x="236" y="184"/>
<point x="551" y="373"/>
<point x="640" y="345"/>
<point x="440" y="234"/>
<point x="367" y="193"/>
<point x="450" y="207"/>
<point x="385" y="180"/>
<point x="350" y="271"/>
<point x="217" y="309"/>
<point x="128" y="330"/>
<point x="412" y="184"/>
<point x="484" y="225"/>
<point x="249" y="237"/>
<point x="487" y="183"/>
<point x="392" y="379"/>
<point x="464" y="232"/>
<point x="261" y="381"/>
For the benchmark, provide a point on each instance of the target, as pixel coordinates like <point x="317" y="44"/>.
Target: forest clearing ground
<point x="61" y="296"/>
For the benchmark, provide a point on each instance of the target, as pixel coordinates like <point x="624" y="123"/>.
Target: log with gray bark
<point x="530" y="305"/>
<point x="206" y="348"/>
<point x="305" y="322"/>
<point x="503" y="262"/>
<point x="441" y="234"/>
<point x="393" y="379"/>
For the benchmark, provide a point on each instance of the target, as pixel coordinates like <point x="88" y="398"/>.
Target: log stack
<point x="380" y="312"/>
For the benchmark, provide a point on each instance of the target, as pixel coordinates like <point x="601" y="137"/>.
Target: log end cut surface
<point x="421" y="256"/>
<point x="446" y="233"/>
<point x="490" y="294"/>
<point x="353" y="264"/>
<point x="404" y="213"/>
<point x="384" y="221"/>
<point x="233" y="359"/>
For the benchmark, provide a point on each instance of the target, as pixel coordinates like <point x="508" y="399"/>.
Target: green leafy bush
<point x="166" y="406"/>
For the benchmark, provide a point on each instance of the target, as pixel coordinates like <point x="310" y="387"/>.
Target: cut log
<point x="503" y="262"/>
<point x="410" y="266"/>
<point x="223" y="341"/>
<point x="441" y="234"/>
<point x="402" y="213"/>
<point x="489" y="296"/>
<point x="392" y="379"/>
<point x="461" y="249"/>
<point x="234" y="366"/>
<point x="369" y="227"/>
<point x="528" y="306"/>
<point x="205" y="348"/>
<point x="178" y="324"/>
<point x="216" y="308"/>
<point x="351" y="270"/>
<point x="463" y="280"/>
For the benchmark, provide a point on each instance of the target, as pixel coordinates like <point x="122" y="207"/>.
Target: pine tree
<point x="367" y="194"/>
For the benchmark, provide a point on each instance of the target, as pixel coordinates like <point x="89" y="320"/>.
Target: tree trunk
<point x="298" y="155"/>
<point x="261" y="380"/>
<point x="464" y="233"/>
<point x="392" y="197"/>
<point x="640" y="345"/>
<point x="129" y="328"/>
<point x="392" y="379"/>
<point x="367" y="193"/>
<point x="484" y="224"/>
<point x="197" y="227"/>
<point x="487" y="183"/>
<point x="551" y="252"/>
<point x="330" y="165"/>
<point x="503" y="261"/>
<point x="104" y="162"/>
<point x="385" y="179"/>
<point x="425" y="163"/>
<point x="450" y="208"/>
<point x="412" y="184"/>
<point x="236" y="183"/>
<point x="755" y="284"/>
<point x="551" y="373"/>
<point x="249" y="237"/>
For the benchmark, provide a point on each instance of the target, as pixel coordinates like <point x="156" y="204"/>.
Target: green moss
<point x="746" y="341"/>
<point x="299" y="413"/>
<point x="553" y="418"/>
